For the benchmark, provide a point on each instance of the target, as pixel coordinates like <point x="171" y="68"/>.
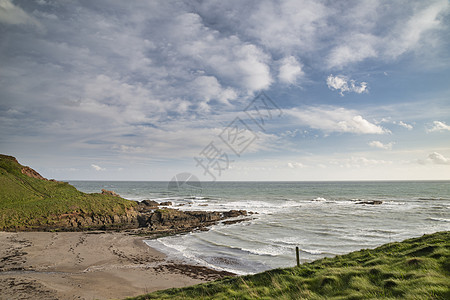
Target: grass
<point x="27" y="203"/>
<point x="417" y="268"/>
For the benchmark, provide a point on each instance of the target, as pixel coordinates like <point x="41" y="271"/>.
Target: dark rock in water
<point x="146" y="206"/>
<point x="167" y="203"/>
<point x="234" y="213"/>
<point x="111" y="193"/>
<point x="230" y="222"/>
<point x="373" y="202"/>
<point x="150" y="203"/>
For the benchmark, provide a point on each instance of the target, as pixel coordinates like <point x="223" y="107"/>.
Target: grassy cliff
<point x="30" y="202"/>
<point x="417" y="268"/>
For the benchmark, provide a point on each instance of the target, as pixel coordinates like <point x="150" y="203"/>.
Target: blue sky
<point x="144" y="90"/>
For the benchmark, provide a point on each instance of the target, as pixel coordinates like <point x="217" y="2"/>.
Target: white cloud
<point x="14" y="15"/>
<point x="438" y="126"/>
<point x="333" y="119"/>
<point x="358" y="48"/>
<point x="295" y="165"/>
<point x="405" y="125"/>
<point x="435" y="158"/>
<point x="243" y="64"/>
<point x="290" y="70"/>
<point x="363" y="161"/>
<point x="208" y="87"/>
<point x="438" y="158"/>
<point x="365" y="36"/>
<point x="380" y="145"/>
<point x="410" y="34"/>
<point x="358" y="162"/>
<point x="342" y="84"/>
<point x="285" y="25"/>
<point x="338" y="34"/>
<point x="97" y="168"/>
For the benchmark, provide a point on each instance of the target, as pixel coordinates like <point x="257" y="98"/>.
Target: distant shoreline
<point x="275" y="181"/>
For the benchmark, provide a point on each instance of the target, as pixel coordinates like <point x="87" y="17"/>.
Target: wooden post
<point x="298" y="256"/>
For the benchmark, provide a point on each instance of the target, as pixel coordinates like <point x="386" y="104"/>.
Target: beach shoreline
<point x="88" y="265"/>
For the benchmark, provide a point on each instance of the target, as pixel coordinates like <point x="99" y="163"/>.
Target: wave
<point x="217" y="260"/>
<point x="261" y="207"/>
<point x="289" y="241"/>
<point x="438" y="219"/>
<point x="200" y="198"/>
<point x="312" y="252"/>
<point x="319" y="199"/>
<point x="266" y="251"/>
<point x="162" y="199"/>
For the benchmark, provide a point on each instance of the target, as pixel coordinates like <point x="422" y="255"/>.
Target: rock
<point x="174" y="221"/>
<point x="150" y="203"/>
<point x="372" y="202"/>
<point x="111" y="193"/>
<point x="57" y="181"/>
<point x="167" y="203"/>
<point x="230" y="222"/>
<point x="234" y="213"/>
<point x="31" y="173"/>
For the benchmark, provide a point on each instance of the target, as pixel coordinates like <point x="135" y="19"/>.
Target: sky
<point x="227" y="90"/>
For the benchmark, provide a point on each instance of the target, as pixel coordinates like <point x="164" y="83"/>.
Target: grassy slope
<point x="413" y="269"/>
<point x="27" y="202"/>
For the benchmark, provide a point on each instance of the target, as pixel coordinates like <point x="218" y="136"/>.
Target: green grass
<point x="417" y="268"/>
<point x="27" y="203"/>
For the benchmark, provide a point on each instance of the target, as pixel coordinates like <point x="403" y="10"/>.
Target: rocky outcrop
<point x="8" y="157"/>
<point x="32" y="173"/>
<point x="97" y="222"/>
<point x="110" y="193"/>
<point x="173" y="220"/>
<point x="146" y="206"/>
<point x="157" y="221"/>
<point x="82" y="221"/>
<point x="149" y="203"/>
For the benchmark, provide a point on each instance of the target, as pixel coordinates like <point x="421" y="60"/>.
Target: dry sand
<point x="77" y="265"/>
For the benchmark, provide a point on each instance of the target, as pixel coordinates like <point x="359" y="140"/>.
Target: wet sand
<point x="79" y="265"/>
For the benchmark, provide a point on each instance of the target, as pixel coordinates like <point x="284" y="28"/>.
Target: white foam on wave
<point x="175" y="250"/>
<point x="163" y="199"/>
<point x="438" y="219"/>
<point x="319" y="199"/>
<point x="261" y="207"/>
<point x="268" y="250"/>
<point x="312" y="251"/>
<point x="289" y="241"/>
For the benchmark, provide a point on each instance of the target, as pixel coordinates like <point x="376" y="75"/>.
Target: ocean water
<point x="322" y="218"/>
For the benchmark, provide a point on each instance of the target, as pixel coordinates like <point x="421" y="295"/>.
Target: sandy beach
<point x="80" y="265"/>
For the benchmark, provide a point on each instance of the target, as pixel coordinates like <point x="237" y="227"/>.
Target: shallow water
<point x="321" y="218"/>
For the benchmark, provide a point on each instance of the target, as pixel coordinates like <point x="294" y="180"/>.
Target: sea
<point x="323" y="219"/>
